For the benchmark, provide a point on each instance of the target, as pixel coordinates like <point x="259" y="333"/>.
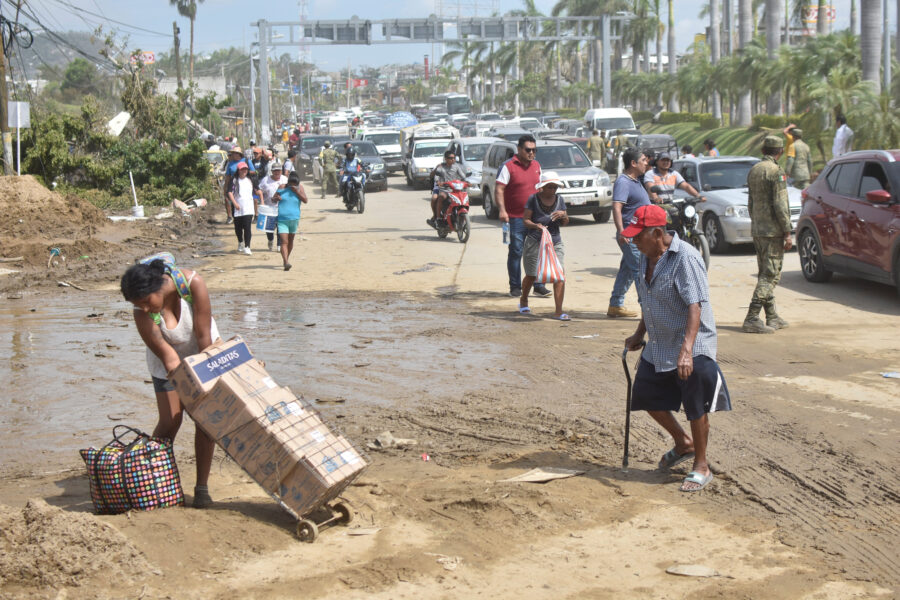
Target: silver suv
<point x="586" y="189"/>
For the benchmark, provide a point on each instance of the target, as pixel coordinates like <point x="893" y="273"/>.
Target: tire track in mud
<point x="826" y="495"/>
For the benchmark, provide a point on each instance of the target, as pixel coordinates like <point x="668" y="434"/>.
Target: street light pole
<point x="265" y="125"/>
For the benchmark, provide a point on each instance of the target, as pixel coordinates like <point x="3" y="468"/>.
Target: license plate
<point x="577" y="200"/>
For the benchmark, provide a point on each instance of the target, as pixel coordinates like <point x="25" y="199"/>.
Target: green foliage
<point x="642" y="115"/>
<point x="78" y="153"/>
<point x="709" y="122"/>
<point x="769" y="121"/>
<point x="667" y="118"/>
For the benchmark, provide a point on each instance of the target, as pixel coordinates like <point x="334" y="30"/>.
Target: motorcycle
<point x="684" y="219"/>
<point x="455" y="217"/>
<point x="355" y="190"/>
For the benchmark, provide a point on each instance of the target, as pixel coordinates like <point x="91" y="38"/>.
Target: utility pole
<point x="886" y="47"/>
<point x="175" y="32"/>
<point x="4" y="115"/>
<point x="265" y="124"/>
<point x="252" y="99"/>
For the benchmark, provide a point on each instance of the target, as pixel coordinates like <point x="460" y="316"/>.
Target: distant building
<point x="216" y="85"/>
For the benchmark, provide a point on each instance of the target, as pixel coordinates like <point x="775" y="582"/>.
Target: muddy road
<point x="386" y="327"/>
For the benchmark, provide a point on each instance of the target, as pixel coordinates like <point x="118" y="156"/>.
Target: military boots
<point x="752" y="323"/>
<point x="772" y="318"/>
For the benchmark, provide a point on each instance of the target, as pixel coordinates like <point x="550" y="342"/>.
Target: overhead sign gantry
<point x="355" y="31"/>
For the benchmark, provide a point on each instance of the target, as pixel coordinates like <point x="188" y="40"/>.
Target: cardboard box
<point x="276" y="437"/>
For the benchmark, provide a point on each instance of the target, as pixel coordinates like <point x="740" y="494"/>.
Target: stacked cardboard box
<point x="278" y="438"/>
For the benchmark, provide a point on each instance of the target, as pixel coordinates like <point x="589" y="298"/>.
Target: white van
<point x="609" y="119"/>
<point x="388" y="143"/>
<point x="338" y="126"/>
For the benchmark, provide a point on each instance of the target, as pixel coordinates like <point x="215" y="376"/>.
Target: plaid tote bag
<point x="138" y="475"/>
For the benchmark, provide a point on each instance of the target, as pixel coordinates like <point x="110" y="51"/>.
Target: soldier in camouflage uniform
<point x="799" y="166"/>
<point x="770" y="214"/>
<point x="328" y="157"/>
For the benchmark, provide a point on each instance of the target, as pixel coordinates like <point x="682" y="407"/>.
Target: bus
<point x="453" y="104"/>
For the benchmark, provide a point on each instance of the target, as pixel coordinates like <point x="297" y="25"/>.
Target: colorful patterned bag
<point x="140" y="475"/>
<point x="549" y="268"/>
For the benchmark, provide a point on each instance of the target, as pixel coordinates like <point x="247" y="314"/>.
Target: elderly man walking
<point x="678" y="367"/>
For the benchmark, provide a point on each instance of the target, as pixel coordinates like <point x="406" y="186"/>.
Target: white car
<point x="722" y="180"/>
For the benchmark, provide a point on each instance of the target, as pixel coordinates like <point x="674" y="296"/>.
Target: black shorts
<point x="162" y="385"/>
<point x="701" y="393"/>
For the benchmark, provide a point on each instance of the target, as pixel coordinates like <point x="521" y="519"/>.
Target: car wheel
<point x="490" y="211"/>
<point x="602" y="216"/>
<point x="409" y="180"/>
<point x="811" y="261"/>
<point x="715" y="235"/>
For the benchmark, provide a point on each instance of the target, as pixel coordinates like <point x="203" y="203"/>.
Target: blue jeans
<point x="514" y="258"/>
<point x="629" y="270"/>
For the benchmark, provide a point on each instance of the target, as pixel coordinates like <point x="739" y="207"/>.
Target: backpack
<point x="175" y="273"/>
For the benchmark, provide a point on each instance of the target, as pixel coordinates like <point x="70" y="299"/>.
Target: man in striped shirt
<point x="678" y="366"/>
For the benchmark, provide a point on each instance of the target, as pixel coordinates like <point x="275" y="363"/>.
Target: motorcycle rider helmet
<point x="351" y="154"/>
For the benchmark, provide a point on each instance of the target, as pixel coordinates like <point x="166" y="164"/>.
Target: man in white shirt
<point x="843" y="138"/>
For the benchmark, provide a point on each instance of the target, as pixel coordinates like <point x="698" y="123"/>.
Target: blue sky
<point x="224" y="23"/>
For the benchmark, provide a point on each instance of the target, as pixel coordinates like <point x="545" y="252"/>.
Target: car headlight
<point x="422" y="170"/>
<point x="737" y="211"/>
<point x="304" y="156"/>
<point x="601" y="180"/>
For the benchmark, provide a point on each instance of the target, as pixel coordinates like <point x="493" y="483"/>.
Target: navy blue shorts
<point x="701" y="393"/>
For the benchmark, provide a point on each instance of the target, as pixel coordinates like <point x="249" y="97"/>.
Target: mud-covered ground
<point x="386" y="328"/>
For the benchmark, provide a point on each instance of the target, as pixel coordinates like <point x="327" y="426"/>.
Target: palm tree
<point x="773" y="41"/>
<point x="745" y="35"/>
<point x="670" y="50"/>
<point x="870" y="41"/>
<point x="715" y="48"/>
<point x="821" y="21"/>
<point x="188" y="8"/>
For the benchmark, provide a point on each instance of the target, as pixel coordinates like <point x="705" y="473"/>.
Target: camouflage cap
<point x="773" y="142"/>
<point x="796" y="131"/>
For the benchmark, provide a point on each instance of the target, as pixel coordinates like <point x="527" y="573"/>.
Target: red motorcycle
<point x="455" y="216"/>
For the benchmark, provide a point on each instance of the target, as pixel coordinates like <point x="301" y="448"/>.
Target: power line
<point x="58" y="39"/>
<point x="76" y="10"/>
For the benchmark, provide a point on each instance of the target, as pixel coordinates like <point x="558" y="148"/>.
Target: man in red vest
<point x="516" y="182"/>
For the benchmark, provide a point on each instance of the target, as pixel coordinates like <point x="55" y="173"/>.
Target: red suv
<point x="850" y="221"/>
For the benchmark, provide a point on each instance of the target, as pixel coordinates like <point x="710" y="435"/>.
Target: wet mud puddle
<point x="75" y="368"/>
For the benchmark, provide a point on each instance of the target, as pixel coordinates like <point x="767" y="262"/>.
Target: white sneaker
<point x="240" y="246"/>
<point x="247" y="251"/>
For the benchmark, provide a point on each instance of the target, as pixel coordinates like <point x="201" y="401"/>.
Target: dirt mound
<point x="42" y="545"/>
<point x="91" y="247"/>
<point x="35" y="213"/>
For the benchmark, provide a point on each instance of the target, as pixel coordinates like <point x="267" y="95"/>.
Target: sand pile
<point x="42" y="545"/>
<point x="36" y="219"/>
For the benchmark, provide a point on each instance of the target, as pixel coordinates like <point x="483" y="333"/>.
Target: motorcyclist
<point x="662" y="180"/>
<point x="351" y="165"/>
<point x="449" y="170"/>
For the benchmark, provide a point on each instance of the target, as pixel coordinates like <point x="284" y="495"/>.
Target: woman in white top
<point x="241" y="198"/>
<point x="184" y="328"/>
<point x="273" y="182"/>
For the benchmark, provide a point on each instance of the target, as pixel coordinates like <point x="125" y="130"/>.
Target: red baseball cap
<point x="649" y="215"/>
